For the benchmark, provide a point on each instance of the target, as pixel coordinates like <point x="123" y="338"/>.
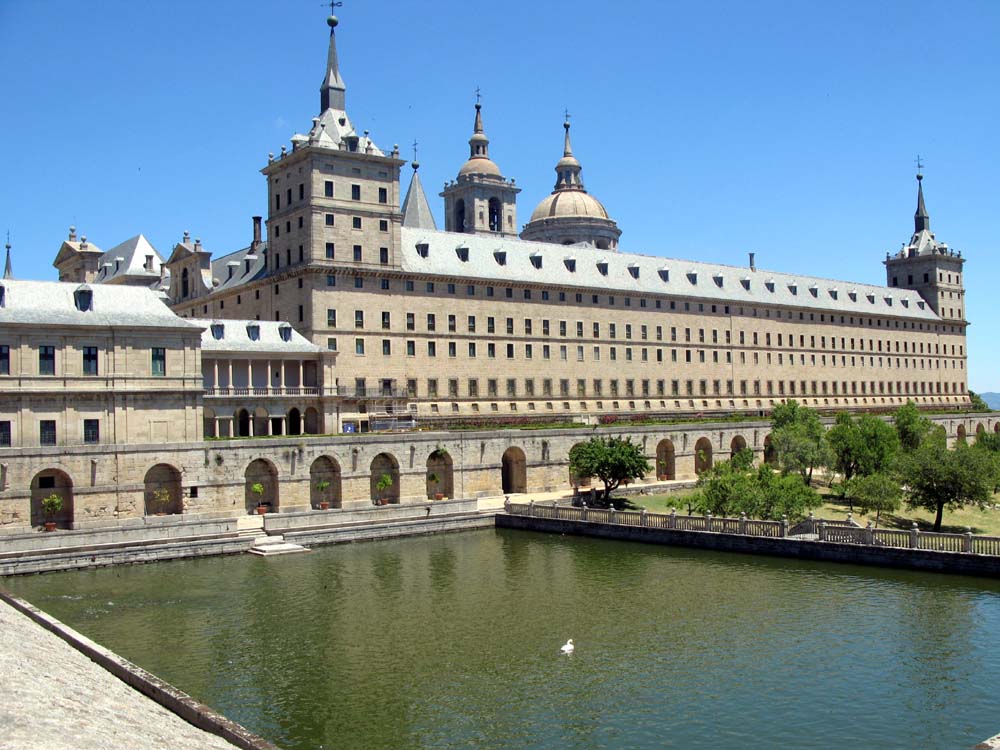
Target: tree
<point x="874" y="492"/>
<point x="937" y="477"/>
<point x="613" y="460"/>
<point x="736" y="486"/>
<point x="797" y="437"/>
<point x="865" y="446"/>
<point x="977" y="402"/>
<point x="911" y="426"/>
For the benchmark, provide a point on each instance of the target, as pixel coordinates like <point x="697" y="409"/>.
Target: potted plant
<point x="50" y="506"/>
<point x="433" y="479"/>
<point x="160" y="499"/>
<point x="383" y="484"/>
<point x="322" y="486"/>
<point x="257" y="488"/>
<point x="661" y="470"/>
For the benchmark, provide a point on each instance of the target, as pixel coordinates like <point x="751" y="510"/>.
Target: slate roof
<point x="129" y="259"/>
<point x="246" y="267"/>
<point x="226" y="335"/>
<point x="118" y="306"/>
<point x="416" y="209"/>
<point x="624" y="273"/>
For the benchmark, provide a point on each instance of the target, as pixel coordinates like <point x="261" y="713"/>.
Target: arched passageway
<point x="162" y="490"/>
<point x="385" y="479"/>
<point x="312" y="422"/>
<point x="440" y="475"/>
<point x="261" y="488"/>
<point x="960" y="433"/>
<point x="294" y="422"/>
<point x="52" y="482"/>
<point x="666" y="462"/>
<point x="513" y="471"/>
<point x="242" y="420"/>
<point x="738" y="444"/>
<point x="702" y="455"/>
<point x="324" y="482"/>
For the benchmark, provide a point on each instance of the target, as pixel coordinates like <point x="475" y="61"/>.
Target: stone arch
<point x="513" y="471"/>
<point x="702" y="455"/>
<point x="162" y="480"/>
<point x="48" y="482"/>
<point x="666" y="460"/>
<point x="737" y="444"/>
<point x="996" y="427"/>
<point x="261" y="421"/>
<point x="574" y="480"/>
<point x="312" y="424"/>
<point x="770" y="454"/>
<point x="325" y="470"/>
<point x="460" y="215"/>
<point x="294" y="421"/>
<point x="980" y="430"/>
<point x="241" y="423"/>
<point x="495" y="214"/>
<point x="208" y="415"/>
<point x="385" y="464"/>
<point x="960" y="433"/>
<point x="185" y="284"/>
<point x="263" y="472"/>
<point x="440" y="474"/>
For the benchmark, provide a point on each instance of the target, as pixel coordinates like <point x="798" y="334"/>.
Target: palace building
<point x="555" y="322"/>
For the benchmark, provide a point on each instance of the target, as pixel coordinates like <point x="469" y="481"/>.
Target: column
<point x="229" y="371"/>
<point x="215" y="374"/>
<point x="301" y="384"/>
<point x="281" y="374"/>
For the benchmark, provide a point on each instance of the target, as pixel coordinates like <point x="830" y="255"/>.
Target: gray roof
<point x="240" y="267"/>
<point x="225" y="335"/>
<point x="53" y="303"/>
<point x="129" y="259"/>
<point x="416" y="210"/>
<point x="622" y="273"/>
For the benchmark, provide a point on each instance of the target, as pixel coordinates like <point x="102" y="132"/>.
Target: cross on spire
<point x="919" y="163"/>
<point x="568" y="115"/>
<point x="333" y="4"/>
<point x="478" y="95"/>
<point x="414" y="149"/>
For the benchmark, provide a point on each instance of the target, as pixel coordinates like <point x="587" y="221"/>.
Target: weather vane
<point x="414" y="149"/>
<point x="478" y="96"/>
<point x="920" y="163"/>
<point x="333" y="4"/>
<point x="568" y="115"/>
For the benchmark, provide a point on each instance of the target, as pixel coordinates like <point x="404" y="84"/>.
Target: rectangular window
<point x="357" y="253"/>
<point x="386" y="348"/>
<point x="331" y="344"/>
<point x="47" y="432"/>
<point x="411" y="323"/>
<point x="46" y="360"/>
<point x="383" y="195"/>
<point x="431" y="348"/>
<point x="356" y="222"/>
<point x="491" y="387"/>
<point x="359" y="346"/>
<point x="359" y="318"/>
<point x="5" y="434"/>
<point x="329" y="220"/>
<point x="452" y="352"/>
<point x="383" y="255"/>
<point x="431" y="324"/>
<point x="472" y="324"/>
<point x="452" y="323"/>
<point x="159" y="361"/>
<point x="4" y="360"/>
<point x="91" y="431"/>
<point x="90" y="360"/>
<point x="411" y="348"/>
<point x="355" y="192"/>
<point x="386" y="321"/>
<point x="328" y="188"/>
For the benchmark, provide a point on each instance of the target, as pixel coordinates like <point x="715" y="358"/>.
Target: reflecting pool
<point x="453" y="642"/>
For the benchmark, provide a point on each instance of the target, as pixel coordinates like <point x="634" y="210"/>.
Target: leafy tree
<point x="861" y="447"/>
<point x="977" y="402"/>
<point x="937" y="477"/>
<point x="798" y="439"/>
<point x="911" y="426"/>
<point x="613" y="460"/>
<point x="875" y="492"/>
<point x="784" y="495"/>
<point x="736" y="486"/>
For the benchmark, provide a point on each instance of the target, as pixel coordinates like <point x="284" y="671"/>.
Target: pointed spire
<point x="416" y="210"/>
<point x="568" y="169"/>
<point x="332" y="92"/>
<point x="479" y="144"/>
<point x="921" y="221"/>
<point x="8" y="270"/>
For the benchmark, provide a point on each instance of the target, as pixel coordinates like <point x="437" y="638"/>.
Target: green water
<point x="453" y="642"/>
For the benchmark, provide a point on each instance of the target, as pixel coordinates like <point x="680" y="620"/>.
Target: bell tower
<point x="480" y="200"/>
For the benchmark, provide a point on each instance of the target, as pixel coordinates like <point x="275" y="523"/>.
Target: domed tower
<point x="570" y="215"/>
<point x="480" y="200"/>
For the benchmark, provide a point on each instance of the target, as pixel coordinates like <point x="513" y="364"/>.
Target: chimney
<point x="256" y="234"/>
<point x="752" y="266"/>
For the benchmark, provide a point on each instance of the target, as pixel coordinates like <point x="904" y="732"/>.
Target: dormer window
<point x="888" y="301"/>
<point x="633" y="269"/>
<point x="3" y="296"/>
<point x="692" y="276"/>
<point x="602" y="267"/>
<point x="285" y="331"/>
<point x="500" y="257"/>
<point x="536" y="260"/>
<point x="871" y="298"/>
<point x="717" y="278"/>
<point x="83" y="298"/>
<point x="745" y="281"/>
<point x="769" y="284"/>
<point x="664" y="274"/>
<point x="853" y="295"/>
<point x="793" y="288"/>
<point x="463" y="253"/>
<point x="570" y="264"/>
<point x="423" y="249"/>
<point x="905" y="302"/>
<point x="920" y="304"/>
<point x="833" y="294"/>
<point x="814" y="290"/>
<point x="218" y="331"/>
<point x="253" y="331"/>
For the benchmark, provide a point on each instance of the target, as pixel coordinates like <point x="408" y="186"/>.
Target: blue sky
<point x="708" y="129"/>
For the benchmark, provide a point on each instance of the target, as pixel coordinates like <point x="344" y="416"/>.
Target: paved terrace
<point x="54" y="697"/>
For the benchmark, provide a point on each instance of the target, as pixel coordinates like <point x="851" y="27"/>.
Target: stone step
<point x="274" y="545"/>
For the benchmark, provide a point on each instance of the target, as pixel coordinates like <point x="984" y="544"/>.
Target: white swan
<point x="568" y="648"/>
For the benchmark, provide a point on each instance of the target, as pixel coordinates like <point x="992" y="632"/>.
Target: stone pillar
<point x="281" y="374"/>
<point x="301" y="384"/>
<point x="229" y="371"/>
<point x="215" y="374"/>
<point x="967" y="541"/>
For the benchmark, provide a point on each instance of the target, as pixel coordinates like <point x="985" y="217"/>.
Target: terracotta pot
<point x="383" y="501"/>
<point x="50" y="525"/>
<point x="261" y="510"/>
<point x="324" y="505"/>
<point x="439" y="496"/>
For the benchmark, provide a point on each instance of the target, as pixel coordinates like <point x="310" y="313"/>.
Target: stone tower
<point x="929" y="267"/>
<point x="570" y="215"/>
<point x="480" y="200"/>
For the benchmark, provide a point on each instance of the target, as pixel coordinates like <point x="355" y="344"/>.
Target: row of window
<point x="328" y="192"/>
<point x="47" y="432"/>
<point x="47" y="360"/>
<point x="612" y="333"/>
<point x="328" y="220"/>
<point x="581" y="387"/>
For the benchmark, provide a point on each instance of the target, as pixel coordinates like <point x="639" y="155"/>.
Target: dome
<point x="569" y="204"/>
<point x="479" y="165"/>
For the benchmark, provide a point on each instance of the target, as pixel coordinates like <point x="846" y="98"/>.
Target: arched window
<point x="460" y="216"/>
<point x="184" y="283"/>
<point x="496" y="215"/>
